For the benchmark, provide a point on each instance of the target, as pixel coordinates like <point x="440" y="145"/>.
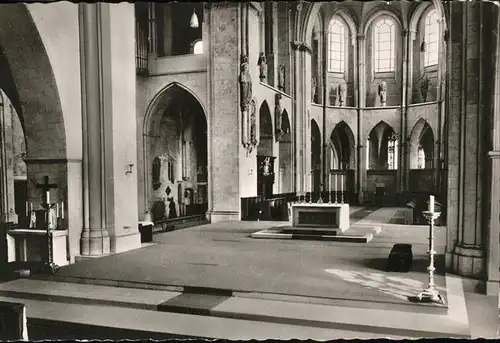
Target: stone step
<point x="42" y="297"/>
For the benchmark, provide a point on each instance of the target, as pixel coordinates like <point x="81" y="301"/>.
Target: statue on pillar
<point x="342" y="89"/>
<point x="314" y="90"/>
<point x="382" y="92"/>
<point x="245" y="98"/>
<point x="262" y="63"/>
<point x="277" y="116"/>
<point x="281" y="78"/>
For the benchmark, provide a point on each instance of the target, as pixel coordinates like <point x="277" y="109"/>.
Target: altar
<point x="31" y="245"/>
<point x="334" y="216"/>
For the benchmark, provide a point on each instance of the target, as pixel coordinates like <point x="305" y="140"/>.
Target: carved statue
<point x="314" y="90"/>
<point x="262" y="63"/>
<point x="424" y="87"/>
<point x="277" y="116"/>
<point x="266" y="167"/>
<point x="382" y="92"/>
<point x="245" y="84"/>
<point x="253" y="125"/>
<point x="156" y="173"/>
<point x="342" y="88"/>
<point x="281" y="78"/>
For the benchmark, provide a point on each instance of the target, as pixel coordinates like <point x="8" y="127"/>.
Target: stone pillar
<point x="224" y="115"/>
<point x="7" y="205"/>
<point x="298" y="109"/>
<point x="493" y="249"/>
<point x="403" y="137"/>
<point x="465" y="142"/>
<point x="95" y="239"/>
<point x="361" y="83"/>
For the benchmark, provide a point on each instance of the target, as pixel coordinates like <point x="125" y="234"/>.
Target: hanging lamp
<point x="194" y="20"/>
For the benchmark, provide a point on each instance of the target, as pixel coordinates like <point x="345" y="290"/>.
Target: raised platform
<point x="357" y="234"/>
<point x="334" y="217"/>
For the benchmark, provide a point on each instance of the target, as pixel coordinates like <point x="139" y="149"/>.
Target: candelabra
<point x="431" y="293"/>
<point x="50" y="265"/>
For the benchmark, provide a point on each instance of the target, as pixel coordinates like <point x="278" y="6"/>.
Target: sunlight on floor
<point x="396" y="286"/>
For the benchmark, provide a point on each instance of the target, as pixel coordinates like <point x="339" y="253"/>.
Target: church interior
<point x="147" y="127"/>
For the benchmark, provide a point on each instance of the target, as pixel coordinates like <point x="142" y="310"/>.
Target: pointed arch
<point x="159" y="101"/>
<point x="175" y="147"/>
<point x="342" y="139"/>
<point x="421" y="142"/>
<point x="382" y="145"/>
<point x="286" y="126"/>
<point x="265" y="120"/>
<point x="24" y="60"/>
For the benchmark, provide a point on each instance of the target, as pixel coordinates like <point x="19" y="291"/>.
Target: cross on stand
<point x="45" y="187"/>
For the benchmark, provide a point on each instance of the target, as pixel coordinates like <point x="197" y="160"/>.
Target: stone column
<point x="7" y="205"/>
<point x="298" y="109"/>
<point x="493" y="249"/>
<point x="466" y="121"/>
<point x="361" y="83"/>
<point x="224" y="51"/>
<point x="95" y="239"/>
<point x="403" y="137"/>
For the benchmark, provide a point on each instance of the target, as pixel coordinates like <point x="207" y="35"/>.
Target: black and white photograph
<point x="239" y="170"/>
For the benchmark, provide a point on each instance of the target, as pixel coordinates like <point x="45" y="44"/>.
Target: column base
<point x="221" y="216"/>
<point x="95" y="242"/>
<point x="125" y="242"/>
<point x="468" y="261"/>
<point x="492" y="287"/>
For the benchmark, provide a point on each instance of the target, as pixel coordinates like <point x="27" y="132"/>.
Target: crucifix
<point x="46" y="186"/>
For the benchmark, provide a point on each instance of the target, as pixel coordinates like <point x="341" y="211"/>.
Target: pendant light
<point x="194" y="20"/>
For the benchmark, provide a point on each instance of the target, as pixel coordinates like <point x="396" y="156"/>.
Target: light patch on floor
<point x="397" y="286"/>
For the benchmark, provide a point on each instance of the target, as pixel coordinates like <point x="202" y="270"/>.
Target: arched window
<point x="336" y="46"/>
<point x="392" y="152"/>
<point x="384" y="43"/>
<point x="431" y="38"/>
<point x="198" y="47"/>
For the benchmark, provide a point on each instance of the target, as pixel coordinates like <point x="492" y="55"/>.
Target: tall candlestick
<point x="431" y="204"/>
<point x="335" y="188"/>
<point x="62" y="209"/>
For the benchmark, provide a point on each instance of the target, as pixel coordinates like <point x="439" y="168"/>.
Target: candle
<point x="431" y="203"/>
<point x="57" y="210"/>
<point x="31" y="207"/>
<point x="27" y="208"/>
<point x="335" y="184"/>
<point x="48" y="197"/>
<point x="62" y="209"/>
<point x="330" y="182"/>
<point x="341" y="183"/>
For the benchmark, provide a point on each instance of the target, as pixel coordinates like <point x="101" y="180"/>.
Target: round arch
<point x="30" y="82"/>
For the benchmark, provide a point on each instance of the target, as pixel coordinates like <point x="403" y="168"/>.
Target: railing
<point x="141" y="49"/>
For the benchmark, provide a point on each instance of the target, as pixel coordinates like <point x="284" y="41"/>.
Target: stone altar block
<point x="324" y="216"/>
<point x="30" y="245"/>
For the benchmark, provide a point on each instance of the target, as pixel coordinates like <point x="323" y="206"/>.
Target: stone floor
<point x="215" y="281"/>
<point x="224" y="256"/>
